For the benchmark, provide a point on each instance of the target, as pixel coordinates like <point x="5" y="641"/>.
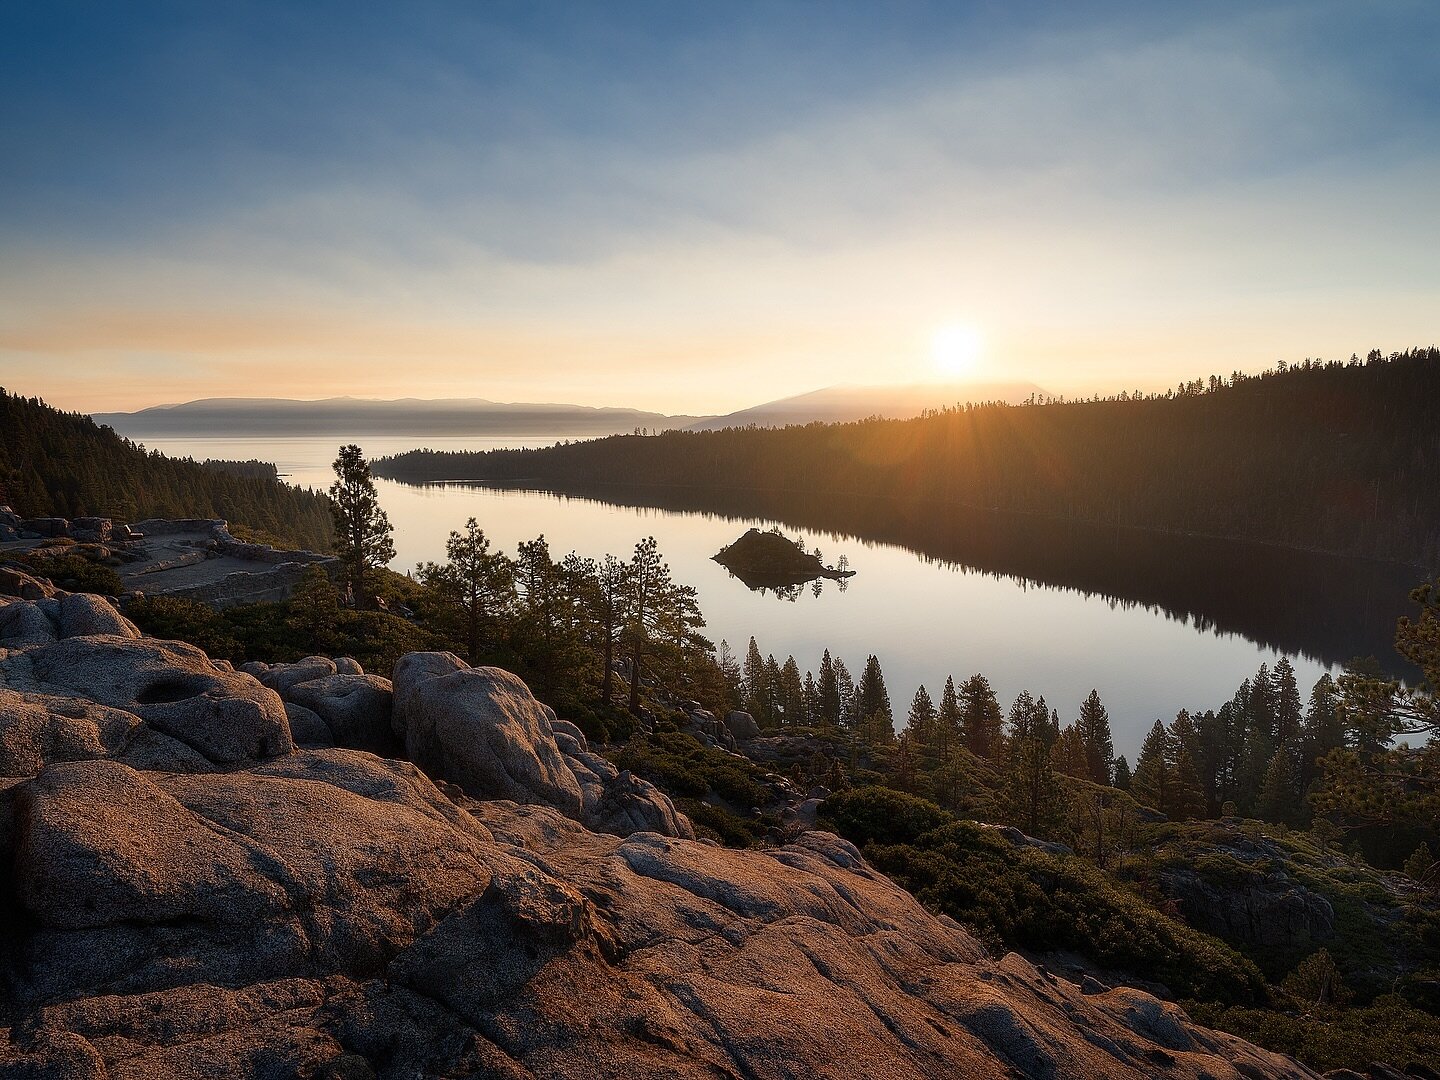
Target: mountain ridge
<point x="408" y="416"/>
<point x="843" y="403"/>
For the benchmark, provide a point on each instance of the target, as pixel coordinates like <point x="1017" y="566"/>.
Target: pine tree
<point x="732" y="674"/>
<point x="1279" y="796"/>
<point x="1322" y="730"/>
<point x="314" y="611"/>
<point x="920" y="723"/>
<point x="1186" y="799"/>
<point x="774" y="693"/>
<point x="845" y="686"/>
<point x="1094" y="726"/>
<point x="1068" y="755"/>
<point x="660" y="613"/>
<point x="874" y="703"/>
<point x="475" y="587"/>
<point x="1152" y="780"/>
<point x="829" y="692"/>
<point x="1421" y="867"/>
<point x="948" y="722"/>
<point x="1122" y="773"/>
<point x="1033" y="797"/>
<point x="756" y="692"/>
<point x="792" y="694"/>
<point x="981" y="720"/>
<point x="811" y="699"/>
<point x="361" y="528"/>
<point x="1287" y="703"/>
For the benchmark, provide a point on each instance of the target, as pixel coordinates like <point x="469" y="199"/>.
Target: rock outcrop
<point x="255" y="909"/>
<point x="194" y="558"/>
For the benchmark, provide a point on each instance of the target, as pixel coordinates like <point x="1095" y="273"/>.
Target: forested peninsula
<point x="1336" y="456"/>
<point x="61" y="464"/>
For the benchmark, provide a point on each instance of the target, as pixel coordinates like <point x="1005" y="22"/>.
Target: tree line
<point x="1333" y="456"/>
<point x="60" y="464"/>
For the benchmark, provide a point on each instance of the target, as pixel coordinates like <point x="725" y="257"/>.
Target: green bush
<point x="73" y="573"/>
<point x="177" y="619"/>
<point x="1390" y="1030"/>
<point x="683" y="767"/>
<point x="1031" y="900"/>
<point x="882" y="815"/>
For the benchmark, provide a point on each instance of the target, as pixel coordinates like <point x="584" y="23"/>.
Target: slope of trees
<point x="61" y="464"/>
<point x="1331" y="456"/>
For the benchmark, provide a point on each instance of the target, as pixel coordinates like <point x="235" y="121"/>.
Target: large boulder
<point x="226" y="717"/>
<point x="356" y="708"/>
<point x="281" y="677"/>
<point x="140" y="881"/>
<point x="85" y="615"/>
<point x="742" y="725"/>
<point x="25" y="624"/>
<point x="482" y="729"/>
<point x="15" y="581"/>
<point x="622" y="803"/>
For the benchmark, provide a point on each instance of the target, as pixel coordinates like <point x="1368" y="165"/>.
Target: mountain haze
<point x="357" y="416"/>
<point x="841" y="404"/>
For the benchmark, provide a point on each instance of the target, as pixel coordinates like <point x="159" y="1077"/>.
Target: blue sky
<point x="698" y="206"/>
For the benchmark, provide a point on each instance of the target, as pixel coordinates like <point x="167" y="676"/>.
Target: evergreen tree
<point x="1279" y="797"/>
<point x="845" y="687"/>
<point x="828" y="688"/>
<point x="1153" y="777"/>
<point x="1316" y="981"/>
<point x="811" y="699"/>
<point x="1068" y="755"/>
<point x="475" y="588"/>
<point x="1033" y="798"/>
<point x="1287" y="703"/>
<point x="314" y="611"/>
<point x="732" y="674"/>
<point x="1094" y="726"/>
<point x="756" y="693"/>
<point x="981" y="720"/>
<point x="774" y="691"/>
<point x="792" y="694"/>
<point x="1122" y="773"/>
<point x="1421" y="867"/>
<point x="1186" y="799"/>
<point x="663" y="617"/>
<point x="1022" y="720"/>
<point x="874" y="702"/>
<point x="949" y="724"/>
<point x="920" y="723"/>
<point x="610" y="579"/>
<point x="362" y="530"/>
<point x="1322" y="730"/>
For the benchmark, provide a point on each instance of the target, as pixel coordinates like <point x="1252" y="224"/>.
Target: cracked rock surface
<point x="190" y="894"/>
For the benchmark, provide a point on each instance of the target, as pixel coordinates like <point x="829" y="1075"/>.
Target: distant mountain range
<point x="241" y="417"/>
<point x="839" y="404"/>
<point x="407" y="416"/>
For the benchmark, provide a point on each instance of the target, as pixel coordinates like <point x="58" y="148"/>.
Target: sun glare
<point x="955" y="350"/>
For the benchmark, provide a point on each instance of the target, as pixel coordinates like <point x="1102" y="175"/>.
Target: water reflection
<point x="1324" y="607"/>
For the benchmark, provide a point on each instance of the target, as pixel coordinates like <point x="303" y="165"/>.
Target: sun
<point x="955" y="350"/>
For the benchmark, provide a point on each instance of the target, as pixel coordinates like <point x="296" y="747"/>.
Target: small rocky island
<point x="771" y="560"/>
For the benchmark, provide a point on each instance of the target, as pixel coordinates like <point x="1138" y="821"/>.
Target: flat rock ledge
<point x="195" y="892"/>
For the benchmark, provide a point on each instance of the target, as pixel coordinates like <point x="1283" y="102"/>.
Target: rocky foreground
<point x="234" y="873"/>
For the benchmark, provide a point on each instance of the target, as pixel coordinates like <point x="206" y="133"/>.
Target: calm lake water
<point x="1155" y="624"/>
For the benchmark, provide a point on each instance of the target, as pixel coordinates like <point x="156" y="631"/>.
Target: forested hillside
<point x="63" y="464"/>
<point x="1339" y="456"/>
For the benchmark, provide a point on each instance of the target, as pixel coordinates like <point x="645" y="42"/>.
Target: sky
<point x="695" y="207"/>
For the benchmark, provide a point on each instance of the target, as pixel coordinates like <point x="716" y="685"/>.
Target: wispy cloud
<point x="691" y="217"/>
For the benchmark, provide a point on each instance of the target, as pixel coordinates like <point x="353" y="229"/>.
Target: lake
<point x="1154" y="623"/>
